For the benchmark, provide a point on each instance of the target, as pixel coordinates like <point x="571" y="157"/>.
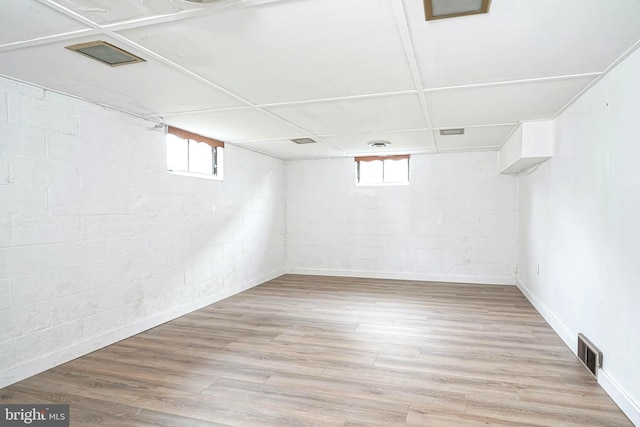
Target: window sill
<point x="381" y="184"/>
<point x="196" y="175"/>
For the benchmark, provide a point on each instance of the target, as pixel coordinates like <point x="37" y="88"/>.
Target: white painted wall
<point x="98" y="241"/>
<point x="455" y="221"/>
<point x="580" y="220"/>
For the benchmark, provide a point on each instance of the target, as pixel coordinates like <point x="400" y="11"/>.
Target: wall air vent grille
<point x="589" y="355"/>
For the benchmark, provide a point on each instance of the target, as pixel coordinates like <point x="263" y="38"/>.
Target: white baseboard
<point x="570" y="338"/>
<point x="480" y="280"/>
<point x="622" y="399"/>
<point x="609" y="385"/>
<point x="49" y="361"/>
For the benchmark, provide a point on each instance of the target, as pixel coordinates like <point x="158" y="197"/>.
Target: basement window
<point x="382" y="170"/>
<point x="194" y="155"/>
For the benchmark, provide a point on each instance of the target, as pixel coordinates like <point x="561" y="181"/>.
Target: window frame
<point x="216" y="155"/>
<point x="360" y="159"/>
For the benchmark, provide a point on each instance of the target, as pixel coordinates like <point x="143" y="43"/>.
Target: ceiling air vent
<point x="303" y="141"/>
<point x="379" y="144"/>
<point x="447" y="132"/>
<point x="105" y="53"/>
<point x="589" y="355"/>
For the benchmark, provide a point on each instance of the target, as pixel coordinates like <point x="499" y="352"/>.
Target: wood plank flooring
<point x="328" y="351"/>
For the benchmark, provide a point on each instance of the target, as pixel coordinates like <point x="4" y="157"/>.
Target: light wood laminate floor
<point x="328" y="351"/>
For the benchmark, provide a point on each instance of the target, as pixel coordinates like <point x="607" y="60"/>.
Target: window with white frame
<point x="377" y="170"/>
<point x="193" y="154"/>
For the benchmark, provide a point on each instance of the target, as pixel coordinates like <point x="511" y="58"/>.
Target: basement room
<point x="342" y="213"/>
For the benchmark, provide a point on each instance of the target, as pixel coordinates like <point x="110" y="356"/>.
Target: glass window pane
<point x="200" y="157"/>
<point x="371" y="172"/>
<point x="396" y="170"/>
<point x="177" y="153"/>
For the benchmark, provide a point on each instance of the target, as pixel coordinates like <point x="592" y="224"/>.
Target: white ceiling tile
<point x="23" y="20"/>
<point x="234" y="125"/>
<point x="143" y="88"/>
<point x="107" y="12"/>
<point x="499" y="104"/>
<point x="520" y="39"/>
<point x="289" y="51"/>
<point x="104" y="12"/>
<point x="378" y="114"/>
<point x="474" y="138"/>
<point x="286" y="149"/>
<point x="401" y="142"/>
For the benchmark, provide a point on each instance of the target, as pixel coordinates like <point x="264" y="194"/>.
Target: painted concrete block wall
<point x="456" y="221"/>
<point x="98" y="241"/>
<point x="579" y="222"/>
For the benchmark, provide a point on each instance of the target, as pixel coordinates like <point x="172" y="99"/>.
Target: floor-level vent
<point x="589" y="355"/>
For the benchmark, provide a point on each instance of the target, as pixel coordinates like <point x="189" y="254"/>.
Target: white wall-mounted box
<point x="529" y="145"/>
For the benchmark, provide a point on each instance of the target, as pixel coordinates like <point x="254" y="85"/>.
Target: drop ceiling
<point x="257" y="73"/>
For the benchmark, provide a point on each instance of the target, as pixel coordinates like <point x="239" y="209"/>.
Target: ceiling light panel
<point x="105" y="53"/>
<point x="502" y="104"/>
<point x="377" y="114"/>
<point x="303" y="141"/>
<point x="439" y="9"/>
<point x="291" y="51"/>
<point x="43" y="21"/>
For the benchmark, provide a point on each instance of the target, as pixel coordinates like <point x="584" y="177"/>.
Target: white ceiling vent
<point x="105" y="53"/>
<point x="379" y="144"/>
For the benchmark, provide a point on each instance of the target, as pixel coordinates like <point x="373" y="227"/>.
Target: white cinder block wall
<point x="580" y="221"/>
<point x="98" y="241"/>
<point x="457" y="220"/>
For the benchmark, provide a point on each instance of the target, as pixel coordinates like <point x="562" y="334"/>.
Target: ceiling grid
<point x="258" y="73"/>
<point x="407" y="44"/>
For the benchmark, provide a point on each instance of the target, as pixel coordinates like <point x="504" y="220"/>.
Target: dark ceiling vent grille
<point x="589" y="355"/>
<point x="447" y="132"/>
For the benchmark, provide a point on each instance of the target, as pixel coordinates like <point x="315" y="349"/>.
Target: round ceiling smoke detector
<point x="379" y="144"/>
